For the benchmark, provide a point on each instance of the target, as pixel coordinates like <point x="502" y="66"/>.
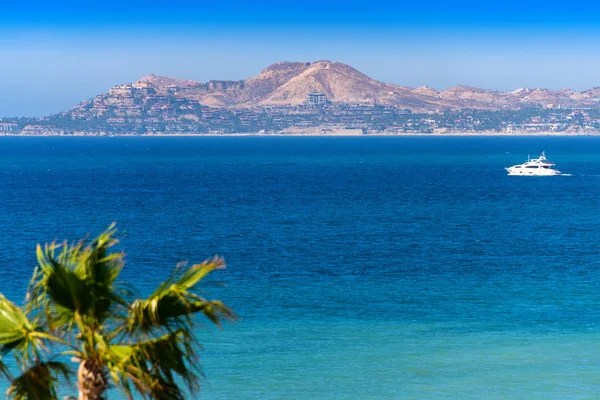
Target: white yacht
<point x="534" y="167"/>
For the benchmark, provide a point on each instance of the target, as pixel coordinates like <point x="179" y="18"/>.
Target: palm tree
<point x="75" y="309"/>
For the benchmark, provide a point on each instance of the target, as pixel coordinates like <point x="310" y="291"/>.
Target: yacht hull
<point x="531" y="172"/>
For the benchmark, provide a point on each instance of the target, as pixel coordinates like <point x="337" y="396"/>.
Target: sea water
<point x="360" y="267"/>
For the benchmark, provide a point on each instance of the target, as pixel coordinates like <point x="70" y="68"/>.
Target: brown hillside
<point x="288" y="83"/>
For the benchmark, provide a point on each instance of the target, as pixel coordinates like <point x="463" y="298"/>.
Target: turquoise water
<point x="371" y="268"/>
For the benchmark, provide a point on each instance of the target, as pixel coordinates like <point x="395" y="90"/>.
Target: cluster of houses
<point x="139" y="109"/>
<point x="8" y="128"/>
<point x="578" y="121"/>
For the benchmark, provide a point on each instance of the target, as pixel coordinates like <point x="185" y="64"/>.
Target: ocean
<point x="360" y="267"/>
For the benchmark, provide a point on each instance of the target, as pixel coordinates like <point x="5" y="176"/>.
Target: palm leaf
<point x="80" y="280"/>
<point x="38" y="382"/>
<point x="101" y="269"/>
<point x="173" y="302"/>
<point x="16" y="331"/>
<point x="154" y="365"/>
<point x="4" y="369"/>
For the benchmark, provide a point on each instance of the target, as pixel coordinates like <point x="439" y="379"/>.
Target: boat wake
<point x="586" y="175"/>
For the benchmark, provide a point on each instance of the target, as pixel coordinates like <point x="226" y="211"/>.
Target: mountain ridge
<point x="288" y="83"/>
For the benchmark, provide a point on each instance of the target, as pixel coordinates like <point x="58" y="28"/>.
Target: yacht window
<point x="532" y="166"/>
<point x="545" y="166"/>
<point x="517" y="166"/>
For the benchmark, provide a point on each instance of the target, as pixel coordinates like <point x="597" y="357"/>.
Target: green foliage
<point x="38" y="382"/>
<point x="76" y="307"/>
<point x="172" y="303"/>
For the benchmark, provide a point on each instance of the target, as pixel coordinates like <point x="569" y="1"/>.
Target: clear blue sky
<point x="55" y="54"/>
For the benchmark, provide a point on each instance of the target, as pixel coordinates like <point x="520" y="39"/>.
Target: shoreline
<point x="454" y="134"/>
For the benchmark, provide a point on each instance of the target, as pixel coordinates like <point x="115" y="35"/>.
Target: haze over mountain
<point x="288" y="83"/>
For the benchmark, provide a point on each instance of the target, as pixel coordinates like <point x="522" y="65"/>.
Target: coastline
<point x="316" y="134"/>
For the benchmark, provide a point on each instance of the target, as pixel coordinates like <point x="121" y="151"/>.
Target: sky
<point x="56" y="54"/>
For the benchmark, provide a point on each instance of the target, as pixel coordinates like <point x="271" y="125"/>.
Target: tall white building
<point x="316" y="98"/>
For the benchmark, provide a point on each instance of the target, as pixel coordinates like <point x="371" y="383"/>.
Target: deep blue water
<point x="361" y="268"/>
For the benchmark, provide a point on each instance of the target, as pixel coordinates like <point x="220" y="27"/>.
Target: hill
<point x="289" y="83"/>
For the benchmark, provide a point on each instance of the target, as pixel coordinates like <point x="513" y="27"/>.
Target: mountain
<point x="289" y="83"/>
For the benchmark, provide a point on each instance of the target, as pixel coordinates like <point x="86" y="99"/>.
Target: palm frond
<point x="153" y="366"/>
<point x="173" y="303"/>
<point x="4" y="369"/>
<point x="68" y="290"/>
<point x="38" y="382"/>
<point x="80" y="280"/>
<point x="17" y="332"/>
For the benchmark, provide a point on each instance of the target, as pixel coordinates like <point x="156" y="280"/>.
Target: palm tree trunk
<point x="91" y="381"/>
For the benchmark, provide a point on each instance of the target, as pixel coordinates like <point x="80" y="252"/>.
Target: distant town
<point x="122" y="113"/>
<point x="168" y="106"/>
